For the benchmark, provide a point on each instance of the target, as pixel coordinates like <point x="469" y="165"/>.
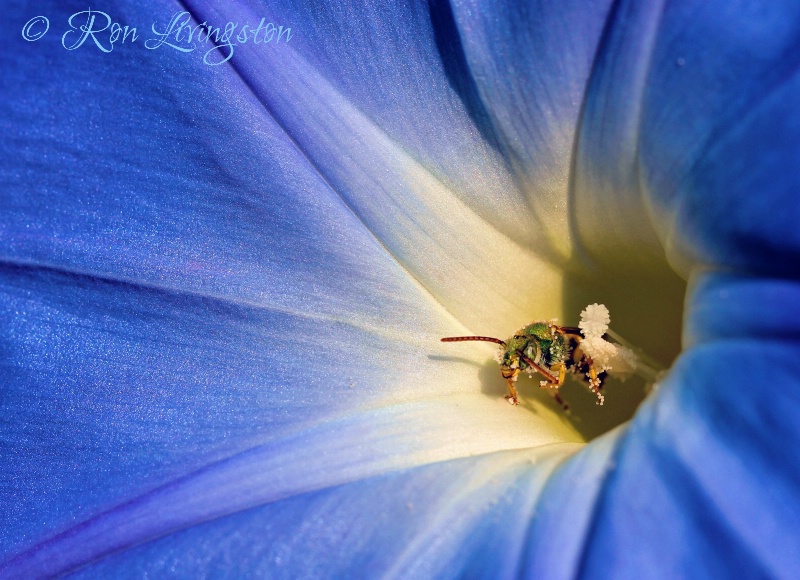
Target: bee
<point x="551" y="350"/>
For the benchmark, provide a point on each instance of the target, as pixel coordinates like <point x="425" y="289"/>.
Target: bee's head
<point x="511" y="364"/>
<point x="509" y="372"/>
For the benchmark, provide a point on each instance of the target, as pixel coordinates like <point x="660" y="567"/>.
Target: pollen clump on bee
<point x="601" y="352"/>
<point x="606" y="355"/>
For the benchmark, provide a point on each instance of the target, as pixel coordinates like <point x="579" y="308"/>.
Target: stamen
<point x="644" y="365"/>
<point x="594" y="320"/>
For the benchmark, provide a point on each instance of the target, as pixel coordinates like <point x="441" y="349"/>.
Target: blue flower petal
<point x="373" y="130"/>
<point x="190" y="300"/>
<point x="531" y="62"/>
<point x="466" y="516"/>
<point x="720" y="135"/>
<point x="203" y="328"/>
<point x="704" y="481"/>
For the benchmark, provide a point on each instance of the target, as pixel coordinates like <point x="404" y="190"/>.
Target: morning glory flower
<point x="223" y="286"/>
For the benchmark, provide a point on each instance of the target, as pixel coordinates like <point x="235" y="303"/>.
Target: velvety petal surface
<point x="211" y="282"/>
<point x="704" y="482"/>
<point x="442" y="520"/>
<point x="224" y="287"/>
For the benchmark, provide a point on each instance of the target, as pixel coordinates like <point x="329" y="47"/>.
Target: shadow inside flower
<point x="646" y="309"/>
<point x="646" y="306"/>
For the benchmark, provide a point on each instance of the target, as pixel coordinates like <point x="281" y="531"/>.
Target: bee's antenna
<point x="481" y="338"/>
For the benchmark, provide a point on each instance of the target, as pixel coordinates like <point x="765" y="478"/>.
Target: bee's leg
<point x="594" y="382"/>
<point x="510" y="375"/>
<point x="555" y="382"/>
<point x="550" y="381"/>
<point x="562" y="402"/>
<point x="602" y="378"/>
<point x="511" y="397"/>
<point x="562" y="373"/>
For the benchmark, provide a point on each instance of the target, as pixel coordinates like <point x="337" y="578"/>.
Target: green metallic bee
<point x="546" y="348"/>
